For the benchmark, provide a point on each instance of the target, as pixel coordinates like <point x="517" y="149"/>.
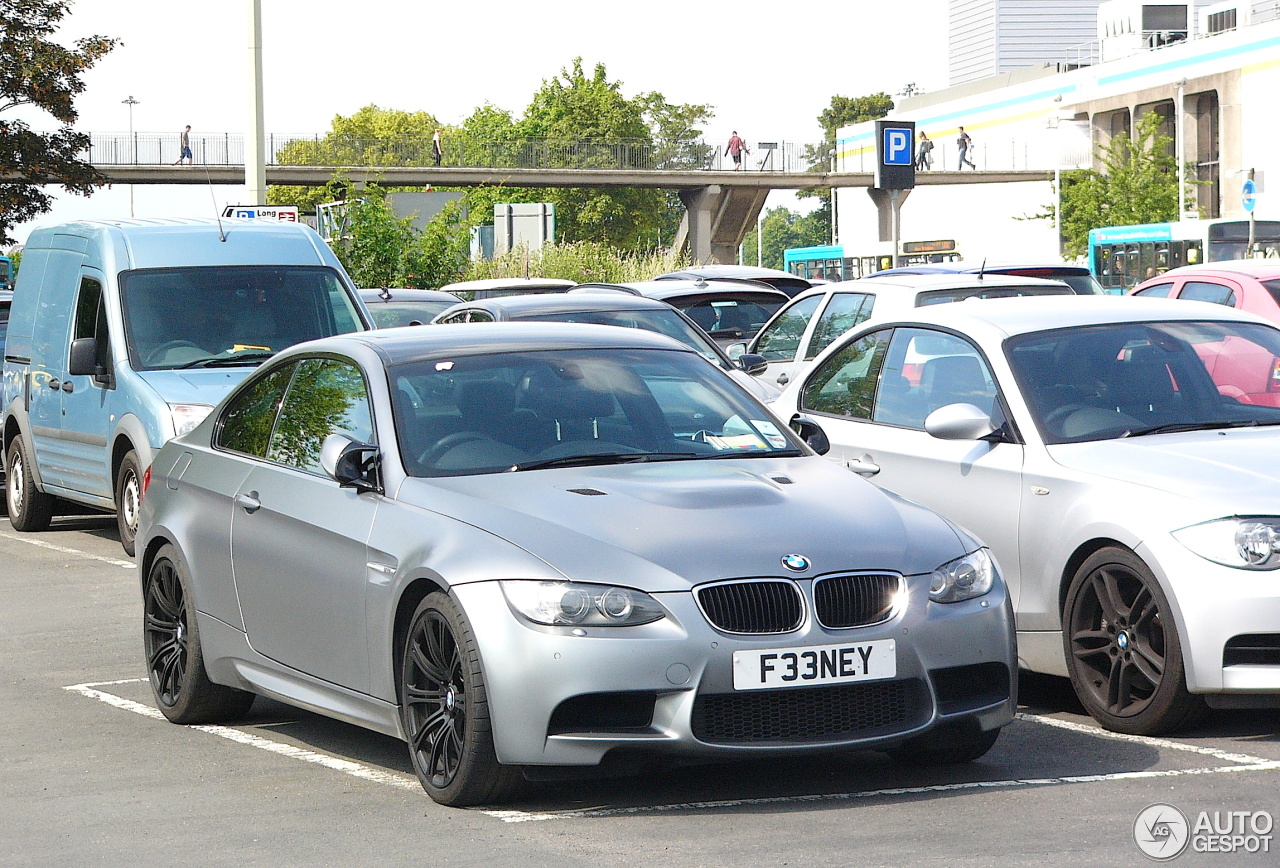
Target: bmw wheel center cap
<point x="796" y="563"/>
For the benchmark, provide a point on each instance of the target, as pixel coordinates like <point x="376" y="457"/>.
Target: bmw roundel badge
<point x="796" y="563"/>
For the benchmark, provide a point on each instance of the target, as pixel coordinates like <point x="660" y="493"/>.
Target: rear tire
<point x="30" y="509"/>
<point x="128" y="493"/>
<point x="175" y="659"/>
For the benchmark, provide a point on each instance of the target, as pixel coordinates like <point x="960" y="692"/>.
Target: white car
<point x="816" y="317"/>
<point x="1121" y="458"/>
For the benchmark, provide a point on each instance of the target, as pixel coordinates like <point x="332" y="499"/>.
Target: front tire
<point x="1123" y="651"/>
<point x="128" y="500"/>
<point x="175" y="659"/>
<point x="30" y="509"/>
<point x="445" y="712"/>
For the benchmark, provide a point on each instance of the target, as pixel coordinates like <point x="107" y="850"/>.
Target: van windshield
<point x="212" y="316"/>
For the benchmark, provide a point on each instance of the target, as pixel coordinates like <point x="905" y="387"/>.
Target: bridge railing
<point x="228" y="149"/>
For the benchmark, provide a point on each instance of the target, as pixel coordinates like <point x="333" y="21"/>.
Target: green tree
<point x="842" y="112"/>
<point x="782" y="228"/>
<point x="1136" y="182"/>
<point x="36" y="71"/>
<point x="381" y="249"/>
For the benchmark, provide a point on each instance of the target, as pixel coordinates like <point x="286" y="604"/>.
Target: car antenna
<point x="385" y="295"/>
<point x="982" y="269"/>
<point x="222" y="235"/>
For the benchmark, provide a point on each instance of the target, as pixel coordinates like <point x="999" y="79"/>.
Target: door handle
<point x="249" y="502"/>
<point x="68" y="386"/>
<point x="863" y="466"/>
<point x="55" y="383"/>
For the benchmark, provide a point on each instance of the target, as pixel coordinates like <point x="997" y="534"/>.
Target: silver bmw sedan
<point x="533" y="545"/>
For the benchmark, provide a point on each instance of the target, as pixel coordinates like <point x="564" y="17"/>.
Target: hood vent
<point x="588" y="492"/>
<point x="783" y="480"/>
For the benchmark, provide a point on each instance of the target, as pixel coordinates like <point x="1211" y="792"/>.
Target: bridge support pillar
<point x="716" y="219"/>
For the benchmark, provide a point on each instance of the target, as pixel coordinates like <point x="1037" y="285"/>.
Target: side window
<point x="845" y="384"/>
<point x="779" y="342"/>
<point x="91" y="319"/>
<point x="1216" y="293"/>
<point x="1160" y="290"/>
<point x="460" y="316"/>
<point x="481" y="316"/>
<point x="326" y="396"/>
<point x="249" y="417"/>
<point x="845" y="311"/>
<point x="925" y="370"/>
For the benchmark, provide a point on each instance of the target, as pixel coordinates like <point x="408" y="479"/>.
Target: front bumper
<point x="667" y="688"/>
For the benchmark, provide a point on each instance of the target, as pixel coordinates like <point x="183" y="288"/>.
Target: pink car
<point x="1251" y="285"/>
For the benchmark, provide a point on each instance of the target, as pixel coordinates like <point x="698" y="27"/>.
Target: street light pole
<point x="133" y="144"/>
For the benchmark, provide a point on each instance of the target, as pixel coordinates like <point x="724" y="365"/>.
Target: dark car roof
<point x="515" y="305"/>
<point x="672" y="288"/>
<point x="405" y="345"/>
<point x="374" y="296"/>
<point x="783" y="280"/>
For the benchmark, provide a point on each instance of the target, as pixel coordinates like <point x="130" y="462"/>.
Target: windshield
<point x="225" y="315"/>
<point x="392" y="314"/>
<point x="730" y="317"/>
<point x="943" y="296"/>
<point x="664" y="322"/>
<point x="1134" y="379"/>
<point x="514" y="412"/>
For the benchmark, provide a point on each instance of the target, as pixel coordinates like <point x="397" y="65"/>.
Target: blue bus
<point x="1121" y="257"/>
<point x="6" y="273"/>
<point x="840" y="262"/>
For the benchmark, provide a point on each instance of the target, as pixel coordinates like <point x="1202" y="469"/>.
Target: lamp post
<point x="133" y="144"/>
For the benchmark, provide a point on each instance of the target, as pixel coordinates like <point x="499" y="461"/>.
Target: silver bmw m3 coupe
<point x="534" y="545"/>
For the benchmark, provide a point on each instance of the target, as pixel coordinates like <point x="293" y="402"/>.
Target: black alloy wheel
<point x="175" y="662"/>
<point x="445" y="712"/>
<point x="1122" y="646"/>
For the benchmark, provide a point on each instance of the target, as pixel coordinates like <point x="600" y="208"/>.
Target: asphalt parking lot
<point x="93" y="775"/>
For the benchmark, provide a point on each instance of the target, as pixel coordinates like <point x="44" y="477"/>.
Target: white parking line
<point x="128" y="565"/>
<point x="1237" y="763"/>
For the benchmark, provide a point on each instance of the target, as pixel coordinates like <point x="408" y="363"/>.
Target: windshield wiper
<point x="605" y="458"/>
<point x="1176" y="427"/>
<point x="755" y="453"/>
<point x="228" y="361"/>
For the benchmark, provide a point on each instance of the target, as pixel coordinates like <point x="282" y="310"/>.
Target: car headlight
<point x="963" y="579"/>
<point x="188" y="416"/>
<point x="577" y="604"/>
<point x="1243" y="543"/>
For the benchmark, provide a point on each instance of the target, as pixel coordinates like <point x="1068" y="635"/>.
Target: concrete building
<point x="1215" y="89"/>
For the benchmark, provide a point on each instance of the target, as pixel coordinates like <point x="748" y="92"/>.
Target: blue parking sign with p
<point x="895" y="155"/>
<point x="897" y="146"/>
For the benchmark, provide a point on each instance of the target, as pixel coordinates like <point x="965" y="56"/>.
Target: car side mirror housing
<point x="83" y="360"/>
<point x="811" y="433"/>
<point x="959" y="422"/>
<point x="734" y="351"/>
<point x="752" y="363"/>
<point x="351" y="463"/>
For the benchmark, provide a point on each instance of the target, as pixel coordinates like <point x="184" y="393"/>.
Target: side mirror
<point x="351" y="463"/>
<point x="811" y="433"/>
<point x="753" y="363"/>
<point x="959" y="422"/>
<point x="83" y="361"/>
<point x="733" y="351"/>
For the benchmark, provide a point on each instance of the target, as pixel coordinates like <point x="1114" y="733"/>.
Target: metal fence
<point x="228" y="149"/>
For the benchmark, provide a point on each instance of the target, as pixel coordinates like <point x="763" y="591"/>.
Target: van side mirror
<point x="351" y="463"/>
<point x="83" y="361"/>
<point x="811" y="433"/>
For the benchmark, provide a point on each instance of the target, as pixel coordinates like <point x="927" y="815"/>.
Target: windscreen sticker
<point x="771" y="433"/>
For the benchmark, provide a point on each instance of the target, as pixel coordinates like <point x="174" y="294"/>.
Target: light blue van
<point x="125" y="333"/>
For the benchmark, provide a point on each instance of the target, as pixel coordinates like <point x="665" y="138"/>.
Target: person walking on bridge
<point x="184" y="146"/>
<point x="736" y="148"/>
<point x="965" y="145"/>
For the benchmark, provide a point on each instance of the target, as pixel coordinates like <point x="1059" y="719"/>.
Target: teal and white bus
<point x="1121" y="257"/>
<point x="843" y="262"/>
<point x="6" y="273"/>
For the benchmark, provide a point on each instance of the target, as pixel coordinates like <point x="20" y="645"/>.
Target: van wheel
<point x="30" y="509"/>
<point x="128" y="500"/>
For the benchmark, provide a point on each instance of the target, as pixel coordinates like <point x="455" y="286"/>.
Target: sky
<point x="767" y="68"/>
